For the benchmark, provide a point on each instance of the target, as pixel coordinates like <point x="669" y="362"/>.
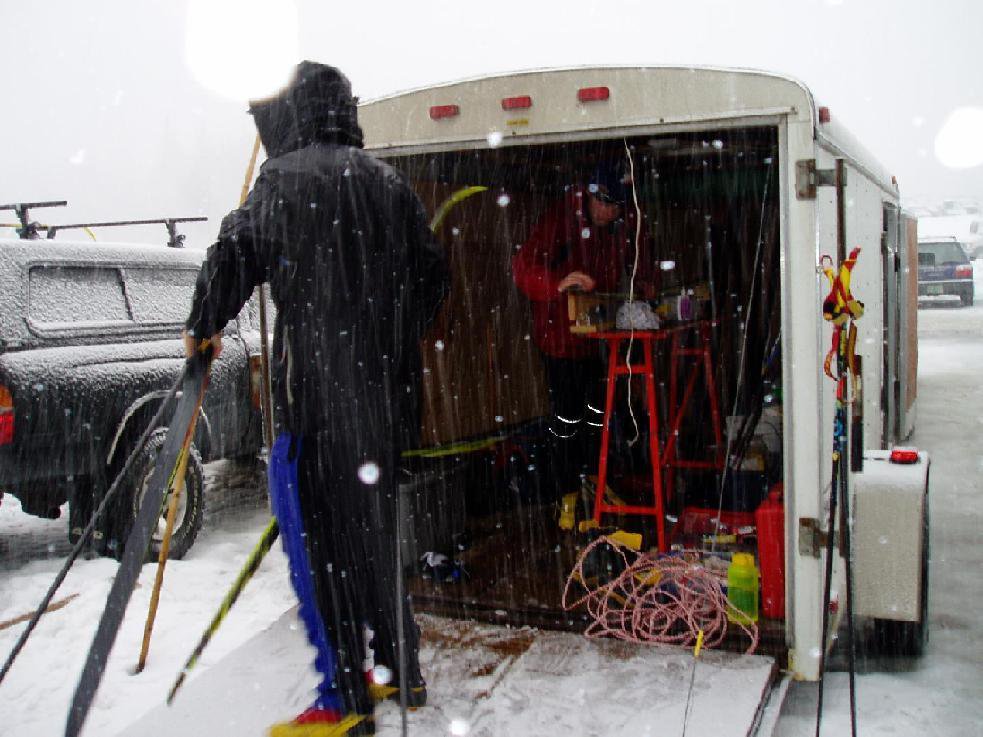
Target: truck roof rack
<point x="29" y="230"/>
<point x="175" y="239"/>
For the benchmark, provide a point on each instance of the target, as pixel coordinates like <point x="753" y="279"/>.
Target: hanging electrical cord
<point x="631" y="285"/>
<point x="741" y="363"/>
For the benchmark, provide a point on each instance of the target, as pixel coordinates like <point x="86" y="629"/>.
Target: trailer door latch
<point x="808" y="178"/>
<point x="813" y="539"/>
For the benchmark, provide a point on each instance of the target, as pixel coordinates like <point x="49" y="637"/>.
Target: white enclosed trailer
<point x="534" y="128"/>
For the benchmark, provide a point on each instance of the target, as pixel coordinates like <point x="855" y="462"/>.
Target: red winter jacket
<point x="563" y="241"/>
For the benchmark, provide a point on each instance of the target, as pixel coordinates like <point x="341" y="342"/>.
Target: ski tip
<point x="74" y="724"/>
<point x="175" y="687"/>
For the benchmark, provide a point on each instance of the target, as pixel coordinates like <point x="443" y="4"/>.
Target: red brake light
<point x="824" y="115"/>
<point x="6" y="416"/>
<point x="516" y="103"/>
<point x="964" y="270"/>
<point x="593" y="94"/>
<point x="904" y="455"/>
<point x="437" y="112"/>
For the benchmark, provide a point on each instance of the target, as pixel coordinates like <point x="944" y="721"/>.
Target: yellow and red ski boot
<point x="389" y="689"/>
<point x="317" y="722"/>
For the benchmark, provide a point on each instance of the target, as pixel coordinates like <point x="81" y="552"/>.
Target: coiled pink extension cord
<point x="665" y="600"/>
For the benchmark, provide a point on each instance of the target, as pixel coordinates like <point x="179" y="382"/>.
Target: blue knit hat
<point x="609" y="181"/>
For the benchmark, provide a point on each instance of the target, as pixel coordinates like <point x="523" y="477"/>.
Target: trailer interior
<point x="479" y="489"/>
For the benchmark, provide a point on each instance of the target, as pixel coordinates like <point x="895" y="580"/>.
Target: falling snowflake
<point x="368" y="473"/>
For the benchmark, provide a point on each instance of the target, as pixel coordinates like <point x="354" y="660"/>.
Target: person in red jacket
<point x="584" y="242"/>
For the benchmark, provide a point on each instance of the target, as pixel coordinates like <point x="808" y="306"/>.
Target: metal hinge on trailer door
<point x="813" y="538"/>
<point x="808" y="178"/>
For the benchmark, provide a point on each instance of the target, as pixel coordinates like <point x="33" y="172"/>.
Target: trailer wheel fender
<point x="891" y="551"/>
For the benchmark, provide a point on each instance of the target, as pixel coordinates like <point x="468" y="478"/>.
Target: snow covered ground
<point x="940" y="695"/>
<point x="35" y="695"/>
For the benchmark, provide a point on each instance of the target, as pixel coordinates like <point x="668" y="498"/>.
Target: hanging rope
<point x="651" y="599"/>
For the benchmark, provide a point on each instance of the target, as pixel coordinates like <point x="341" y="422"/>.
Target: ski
<point x="170" y="463"/>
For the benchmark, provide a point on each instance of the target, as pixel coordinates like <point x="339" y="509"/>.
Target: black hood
<point x="317" y="106"/>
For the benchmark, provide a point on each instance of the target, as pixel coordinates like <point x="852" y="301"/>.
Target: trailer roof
<point x="581" y="102"/>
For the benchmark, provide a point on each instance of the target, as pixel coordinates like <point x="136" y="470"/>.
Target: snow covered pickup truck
<point x="89" y="346"/>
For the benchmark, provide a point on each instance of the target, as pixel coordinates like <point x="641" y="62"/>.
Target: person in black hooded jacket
<point x="356" y="278"/>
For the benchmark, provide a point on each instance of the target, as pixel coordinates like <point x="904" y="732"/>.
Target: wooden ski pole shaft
<point x="265" y="398"/>
<point x="178" y="483"/>
<point x="175" y="483"/>
<point x="165" y="547"/>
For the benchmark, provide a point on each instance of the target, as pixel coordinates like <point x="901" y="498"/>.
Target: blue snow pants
<point x="286" y="507"/>
<point x="338" y="527"/>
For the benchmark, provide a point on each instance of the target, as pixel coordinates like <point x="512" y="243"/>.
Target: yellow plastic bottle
<point x="568" y="508"/>
<point x="742" y="589"/>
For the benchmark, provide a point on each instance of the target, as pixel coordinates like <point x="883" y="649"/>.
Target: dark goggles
<point x="602" y="196"/>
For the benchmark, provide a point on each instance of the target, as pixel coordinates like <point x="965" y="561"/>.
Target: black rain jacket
<point x="345" y="245"/>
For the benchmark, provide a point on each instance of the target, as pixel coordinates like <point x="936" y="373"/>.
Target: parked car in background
<point x="89" y="345"/>
<point x="965" y="226"/>
<point x="944" y="271"/>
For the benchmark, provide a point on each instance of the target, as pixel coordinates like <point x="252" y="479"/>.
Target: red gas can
<point x="770" y="521"/>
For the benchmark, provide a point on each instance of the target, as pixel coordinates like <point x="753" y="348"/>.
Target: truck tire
<point x="967" y="298"/>
<point x="191" y="503"/>
<point x="907" y="639"/>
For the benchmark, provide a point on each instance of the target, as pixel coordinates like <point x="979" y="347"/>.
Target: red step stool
<point x="619" y="365"/>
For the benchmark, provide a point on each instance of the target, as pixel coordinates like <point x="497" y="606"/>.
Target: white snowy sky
<point x="102" y="109"/>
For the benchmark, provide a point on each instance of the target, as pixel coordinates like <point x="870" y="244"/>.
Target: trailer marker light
<point x="824" y="116"/>
<point x="6" y="416"/>
<point x="904" y="455"/>
<point x="438" y="112"/>
<point x="593" y="94"/>
<point x="516" y="103"/>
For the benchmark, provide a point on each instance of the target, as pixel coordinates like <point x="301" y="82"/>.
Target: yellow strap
<point x="455" y="449"/>
<point x="448" y="204"/>
<point x="699" y="644"/>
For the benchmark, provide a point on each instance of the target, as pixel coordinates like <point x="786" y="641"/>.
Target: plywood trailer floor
<point x="486" y="681"/>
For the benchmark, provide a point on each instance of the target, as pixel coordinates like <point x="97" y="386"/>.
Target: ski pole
<point x="266" y="541"/>
<point x="838" y="430"/>
<point x="178" y="483"/>
<point x="400" y="632"/>
<point x="175" y="484"/>
<point x="84" y="537"/>
<point x="176" y="487"/>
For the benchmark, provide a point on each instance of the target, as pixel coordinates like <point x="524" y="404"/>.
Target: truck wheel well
<point x="135" y="421"/>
